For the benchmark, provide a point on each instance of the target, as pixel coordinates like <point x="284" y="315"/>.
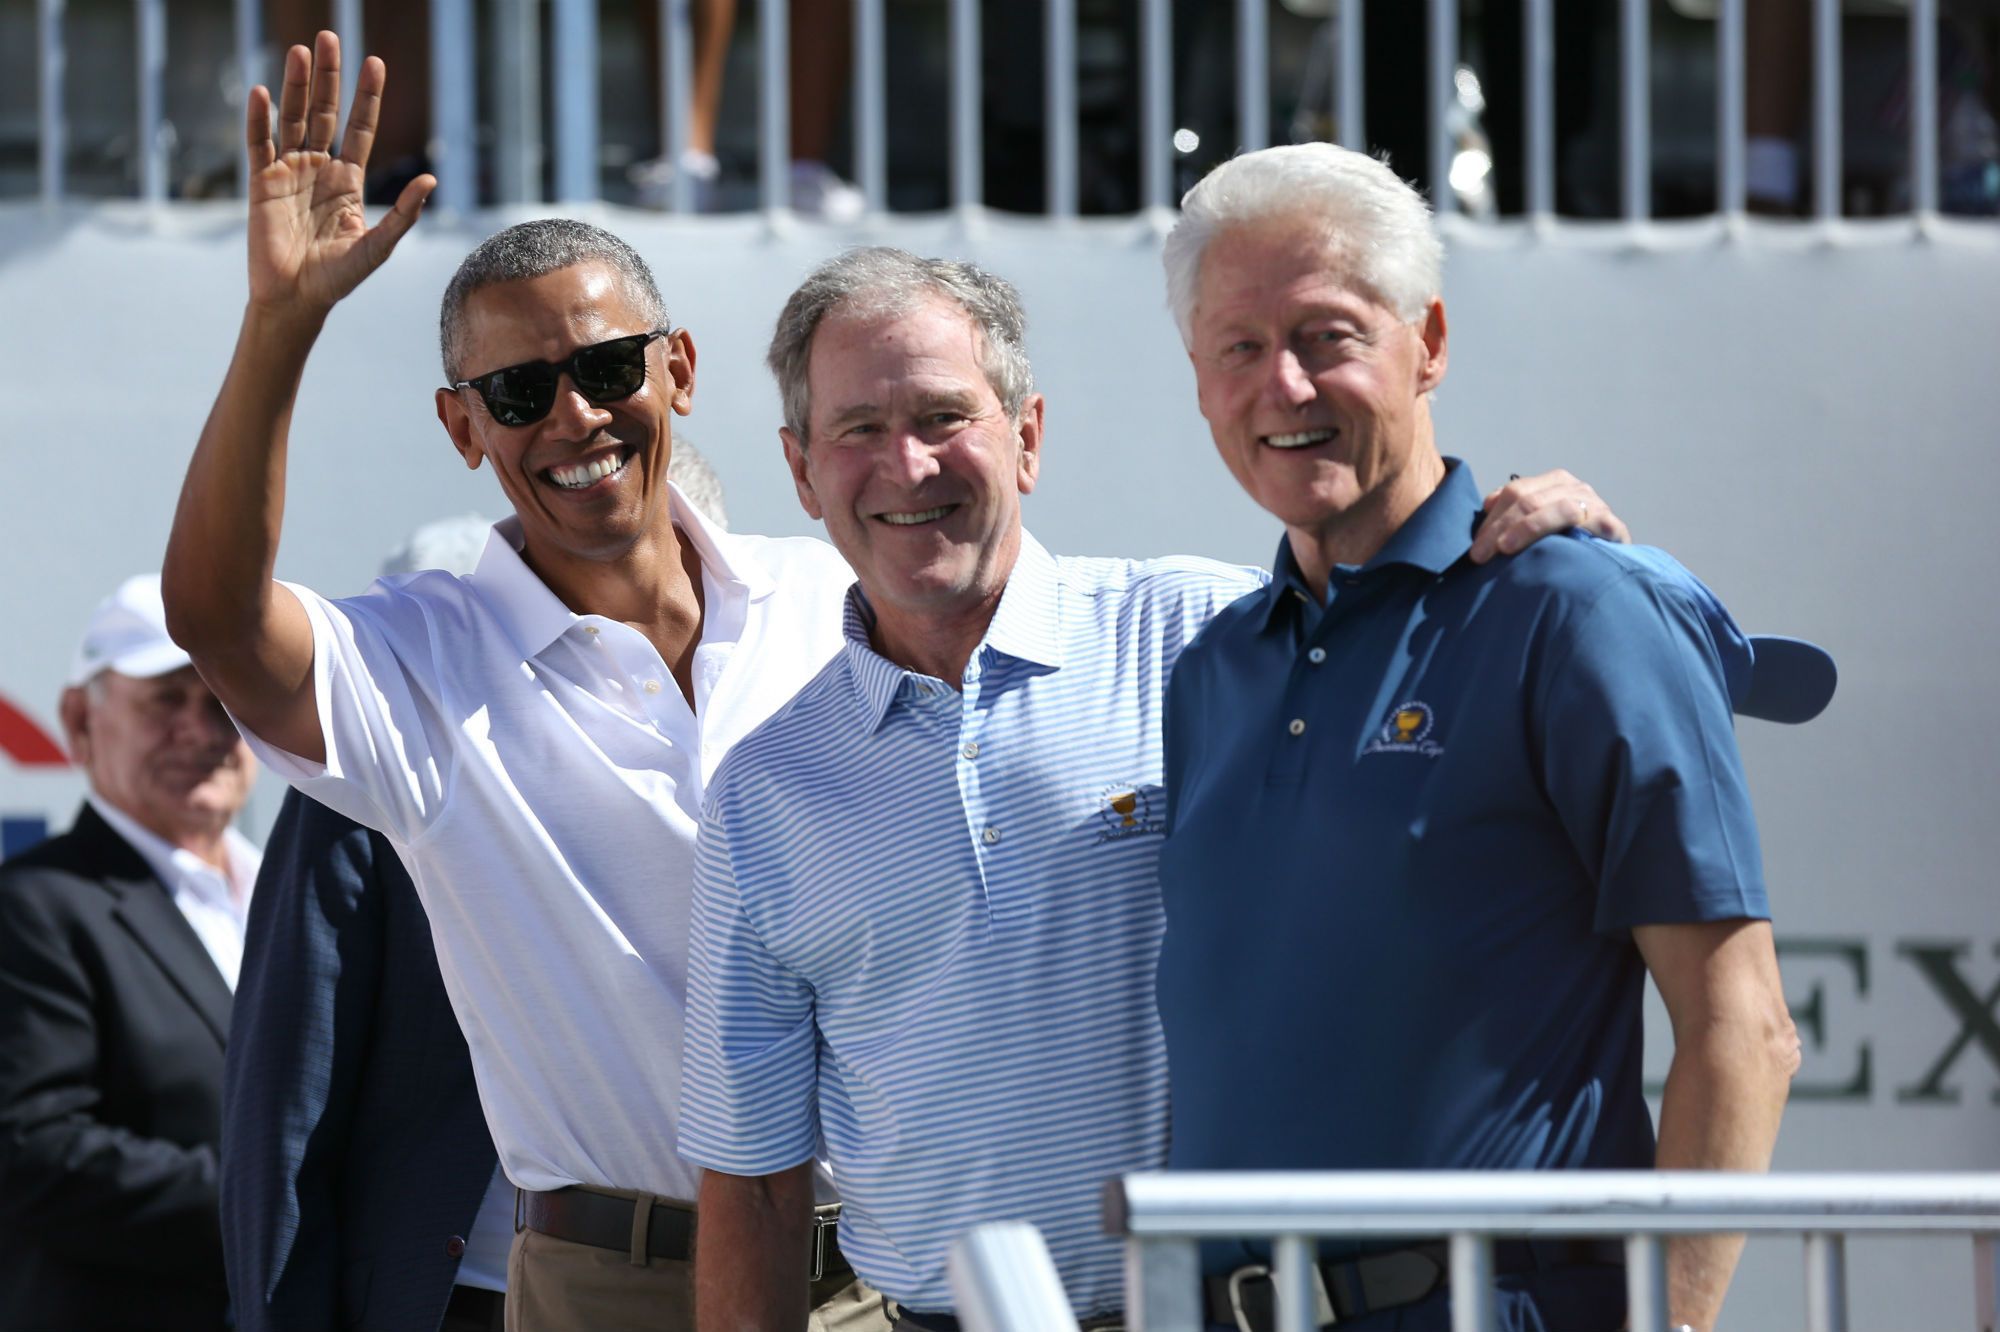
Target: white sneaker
<point x="654" y="180"/>
<point x="818" y="192"/>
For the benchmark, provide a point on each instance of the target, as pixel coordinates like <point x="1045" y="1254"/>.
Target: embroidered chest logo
<point x="1407" y="731"/>
<point x="1127" y="811"/>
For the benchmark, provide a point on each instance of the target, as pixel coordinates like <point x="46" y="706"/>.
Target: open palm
<point x="310" y="243"/>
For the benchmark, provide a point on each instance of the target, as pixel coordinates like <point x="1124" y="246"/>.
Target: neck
<point x="654" y="585"/>
<point x="210" y="847"/>
<point x="1357" y="535"/>
<point x="934" y="643"/>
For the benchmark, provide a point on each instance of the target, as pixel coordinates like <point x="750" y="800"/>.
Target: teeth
<point x="911" y="519"/>
<point x="584" y="474"/>
<point x="1300" y="440"/>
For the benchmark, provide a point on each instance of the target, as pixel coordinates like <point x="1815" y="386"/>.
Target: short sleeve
<point x="1637" y="749"/>
<point x="749" y="1084"/>
<point x="378" y="695"/>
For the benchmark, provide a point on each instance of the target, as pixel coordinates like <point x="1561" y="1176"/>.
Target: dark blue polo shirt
<point x="1409" y="835"/>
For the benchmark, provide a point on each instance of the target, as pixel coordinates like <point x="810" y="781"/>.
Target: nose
<point x="201" y="720"/>
<point x="910" y="460"/>
<point x="1288" y="381"/>
<point x="575" y="414"/>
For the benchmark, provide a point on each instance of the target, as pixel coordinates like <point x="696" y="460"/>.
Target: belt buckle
<point x="1324" y="1313"/>
<point x="823" y="1224"/>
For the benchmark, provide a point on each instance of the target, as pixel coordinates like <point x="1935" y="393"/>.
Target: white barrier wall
<point x="1808" y="424"/>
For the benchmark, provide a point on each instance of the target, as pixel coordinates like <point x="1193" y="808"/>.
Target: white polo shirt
<point x="217" y="906"/>
<point x="541" y="776"/>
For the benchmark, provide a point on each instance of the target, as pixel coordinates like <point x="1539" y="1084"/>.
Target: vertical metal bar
<point x="1646" y="1283"/>
<point x="1539" y="44"/>
<point x="353" y="49"/>
<point x="49" y="77"/>
<point x="249" y="68"/>
<point x="1986" y="1282"/>
<point x="1294" y="1279"/>
<point x="1730" y="181"/>
<point x="1826" y="109"/>
<point x="774" y="105"/>
<point x="573" y="63"/>
<point x="676" y="65"/>
<point x="151" y="19"/>
<point x="1635" y="50"/>
<point x="1253" y="76"/>
<point x="454" y="149"/>
<point x="1162" y="1285"/>
<point x="1442" y="72"/>
<point x="1059" y="106"/>
<point x="1353" y="91"/>
<point x="1924" y="104"/>
<point x="871" y="104"/>
<point x="968" y="168"/>
<point x="1472" y="1282"/>
<point x="1826" y="1283"/>
<point x="517" y="41"/>
<point x="1156" y="111"/>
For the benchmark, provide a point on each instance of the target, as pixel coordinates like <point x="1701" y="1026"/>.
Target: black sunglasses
<point x="602" y="372"/>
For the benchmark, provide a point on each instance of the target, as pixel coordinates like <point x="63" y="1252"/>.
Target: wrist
<point x="283" y="322"/>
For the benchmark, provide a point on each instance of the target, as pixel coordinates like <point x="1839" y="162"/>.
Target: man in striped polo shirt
<point x="926" y="915"/>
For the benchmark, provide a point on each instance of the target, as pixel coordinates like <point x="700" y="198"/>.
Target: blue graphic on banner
<point x="17" y="834"/>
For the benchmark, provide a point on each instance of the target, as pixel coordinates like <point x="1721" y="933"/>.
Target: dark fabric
<point x="354" y="1149"/>
<point x="474" y="1310"/>
<point x="112" y="1023"/>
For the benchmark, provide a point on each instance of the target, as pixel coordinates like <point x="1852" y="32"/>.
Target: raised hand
<point x="310" y="243"/>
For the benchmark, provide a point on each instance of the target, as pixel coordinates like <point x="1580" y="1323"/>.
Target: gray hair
<point x="450" y="544"/>
<point x="535" y="249"/>
<point x="881" y="281"/>
<point x="1379" y="226"/>
<point x="689" y="469"/>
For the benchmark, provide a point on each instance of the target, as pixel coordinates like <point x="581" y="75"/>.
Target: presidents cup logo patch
<point x="1128" y="811"/>
<point x="1407" y="731"/>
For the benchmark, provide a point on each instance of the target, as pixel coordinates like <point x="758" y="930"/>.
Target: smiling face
<point x="589" y="480"/>
<point x="161" y="750"/>
<point x="1313" y="389"/>
<point x="913" y="463"/>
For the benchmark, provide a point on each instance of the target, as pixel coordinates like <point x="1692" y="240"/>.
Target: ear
<point x="680" y="368"/>
<point x="451" y="410"/>
<point x="795" y="458"/>
<point x="1436" y="345"/>
<point x="73" y="710"/>
<point x="1029" y="431"/>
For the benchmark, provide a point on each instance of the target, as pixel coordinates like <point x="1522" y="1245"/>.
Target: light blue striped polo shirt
<point x="926" y="925"/>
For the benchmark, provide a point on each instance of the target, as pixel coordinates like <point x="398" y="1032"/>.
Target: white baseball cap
<point x="127" y="633"/>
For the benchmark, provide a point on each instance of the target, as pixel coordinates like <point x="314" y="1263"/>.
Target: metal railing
<point x="1165" y="1216"/>
<point x="575" y="98"/>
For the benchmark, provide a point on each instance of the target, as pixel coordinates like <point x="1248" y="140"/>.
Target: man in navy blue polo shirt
<point x="1431" y="821"/>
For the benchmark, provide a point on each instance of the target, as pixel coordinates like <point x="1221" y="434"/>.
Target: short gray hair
<point x="1379" y="226"/>
<point x="689" y="469"/>
<point x="879" y="281"/>
<point x="535" y="249"/>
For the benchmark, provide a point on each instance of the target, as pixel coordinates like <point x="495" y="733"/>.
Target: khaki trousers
<point x="556" y="1285"/>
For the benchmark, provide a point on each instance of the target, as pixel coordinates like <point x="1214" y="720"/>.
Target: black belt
<point x="905" y="1320"/>
<point x="604" y="1220"/>
<point x="1246" y="1298"/>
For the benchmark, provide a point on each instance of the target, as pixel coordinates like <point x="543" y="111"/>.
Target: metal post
<point x="151" y="19"/>
<point x="249" y="68"/>
<point x="353" y="49"/>
<point x="1730" y="184"/>
<point x="1442" y="71"/>
<point x="49" y="78"/>
<point x="1539" y="42"/>
<point x="453" y="148"/>
<point x="517" y="43"/>
<point x="1059" y="106"/>
<point x="968" y="168"/>
<point x="1003" y="1279"/>
<point x="774" y="106"/>
<point x="1986" y="1282"/>
<point x="676" y="57"/>
<point x="1646" y="1283"/>
<point x="1472" y="1282"/>
<point x="1924" y="104"/>
<point x="1826" y="109"/>
<point x="1826" y="1283"/>
<point x="1293" y="1276"/>
<point x="1156" y="111"/>
<point x="1353" y="117"/>
<point x="573" y="61"/>
<point x="1635" y="47"/>
<point x="1163" y="1284"/>
<point x="871" y="113"/>
<point x="1253" y="76"/>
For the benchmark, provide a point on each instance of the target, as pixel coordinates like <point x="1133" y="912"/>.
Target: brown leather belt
<point x="607" y="1221"/>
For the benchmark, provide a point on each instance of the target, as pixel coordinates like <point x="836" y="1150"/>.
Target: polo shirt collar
<point x="1432" y="539"/>
<point x="1026" y="626"/>
<point x="535" y="617"/>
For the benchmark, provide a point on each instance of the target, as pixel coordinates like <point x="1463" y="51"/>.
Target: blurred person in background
<point x="120" y="942"/>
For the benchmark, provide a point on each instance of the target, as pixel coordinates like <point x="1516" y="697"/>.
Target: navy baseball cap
<point x="1789" y="680"/>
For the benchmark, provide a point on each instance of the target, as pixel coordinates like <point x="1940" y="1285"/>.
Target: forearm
<point x="751" y="1252"/>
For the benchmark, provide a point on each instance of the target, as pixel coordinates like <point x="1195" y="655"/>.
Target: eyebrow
<point x="953" y="400"/>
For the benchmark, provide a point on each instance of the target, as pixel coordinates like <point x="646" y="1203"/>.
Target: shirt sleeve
<point x="1637" y="748"/>
<point x="378" y="695"/>
<point x="749" y="1084"/>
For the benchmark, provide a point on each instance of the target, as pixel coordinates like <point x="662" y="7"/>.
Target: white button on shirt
<point x="545" y="802"/>
<point x="217" y="906"/>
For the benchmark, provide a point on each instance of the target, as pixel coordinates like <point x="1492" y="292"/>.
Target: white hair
<point x="1380" y="228"/>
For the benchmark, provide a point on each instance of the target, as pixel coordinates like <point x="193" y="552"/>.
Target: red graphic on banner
<point x="27" y="743"/>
